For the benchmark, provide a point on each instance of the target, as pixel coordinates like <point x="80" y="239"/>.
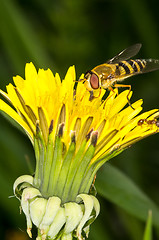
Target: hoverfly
<point x="117" y="69"/>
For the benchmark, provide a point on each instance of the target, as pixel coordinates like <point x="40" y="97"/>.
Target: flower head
<point x="72" y="137"/>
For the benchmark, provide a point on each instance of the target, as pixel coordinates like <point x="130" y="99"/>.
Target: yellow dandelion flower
<point x="72" y="138"/>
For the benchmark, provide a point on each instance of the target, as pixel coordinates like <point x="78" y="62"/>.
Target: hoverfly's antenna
<point x="82" y="79"/>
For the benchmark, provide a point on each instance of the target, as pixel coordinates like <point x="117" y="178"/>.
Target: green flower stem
<point x="83" y="165"/>
<point x="47" y="166"/>
<point x="74" y="164"/>
<point x="56" y="165"/>
<point x="64" y="170"/>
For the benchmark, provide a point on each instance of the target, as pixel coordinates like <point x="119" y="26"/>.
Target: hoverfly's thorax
<point x="103" y="70"/>
<point x="106" y="83"/>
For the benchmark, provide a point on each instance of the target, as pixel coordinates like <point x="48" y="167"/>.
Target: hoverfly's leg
<point x="99" y="93"/>
<point x="129" y="86"/>
<point x="110" y="89"/>
<point x="91" y="97"/>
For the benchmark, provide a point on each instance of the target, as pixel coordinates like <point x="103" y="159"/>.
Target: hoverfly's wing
<point x="126" y="53"/>
<point x="151" y="65"/>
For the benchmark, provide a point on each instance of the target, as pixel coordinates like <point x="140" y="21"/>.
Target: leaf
<point x="148" y="229"/>
<point x="115" y="186"/>
<point x="19" y="37"/>
<point x="11" y="121"/>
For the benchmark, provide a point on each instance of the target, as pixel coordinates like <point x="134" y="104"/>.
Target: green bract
<point x="52" y="218"/>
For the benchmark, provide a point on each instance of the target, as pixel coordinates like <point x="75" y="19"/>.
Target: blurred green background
<point x="57" y="34"/>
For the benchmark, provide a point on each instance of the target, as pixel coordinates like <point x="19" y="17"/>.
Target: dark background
<point x="57" y="34"/>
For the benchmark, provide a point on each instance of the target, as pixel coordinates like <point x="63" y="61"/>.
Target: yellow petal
<point x="15" y="116"/>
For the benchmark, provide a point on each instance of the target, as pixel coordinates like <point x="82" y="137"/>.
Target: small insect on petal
<point x="157" y="123"/>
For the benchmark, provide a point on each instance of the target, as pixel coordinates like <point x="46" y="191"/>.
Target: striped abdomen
<point x="130" y="67"/>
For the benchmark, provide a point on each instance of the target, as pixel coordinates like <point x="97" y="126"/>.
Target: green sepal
<point x="56" y="166"/>
<point x="37" y="210"/>
<point x="93" y="168"/>
<point x="57" y="224"/>
<point x="52" y="207"/>
<point x="28" y="195"/>
<point x="74" y="164"/>
<point x="64" y="170"/>
<point x="80" y="171"/>
<point x="47" y="165"/>
<point x="66" y="236"/>
<point x="20" y="183"/>
<point x="90" y="204"/>
<point x="92" y="190"/>
<point x="36" y="149"/>
<point x="95" y="212"/>
<point x="40" y="153"/>
<point x="74" y="215"/>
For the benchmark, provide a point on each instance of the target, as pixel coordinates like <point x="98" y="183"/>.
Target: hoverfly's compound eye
<point x="94" y="81"/>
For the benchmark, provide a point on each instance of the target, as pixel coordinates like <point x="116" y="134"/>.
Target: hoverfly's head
<point x="91" y="81"/>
